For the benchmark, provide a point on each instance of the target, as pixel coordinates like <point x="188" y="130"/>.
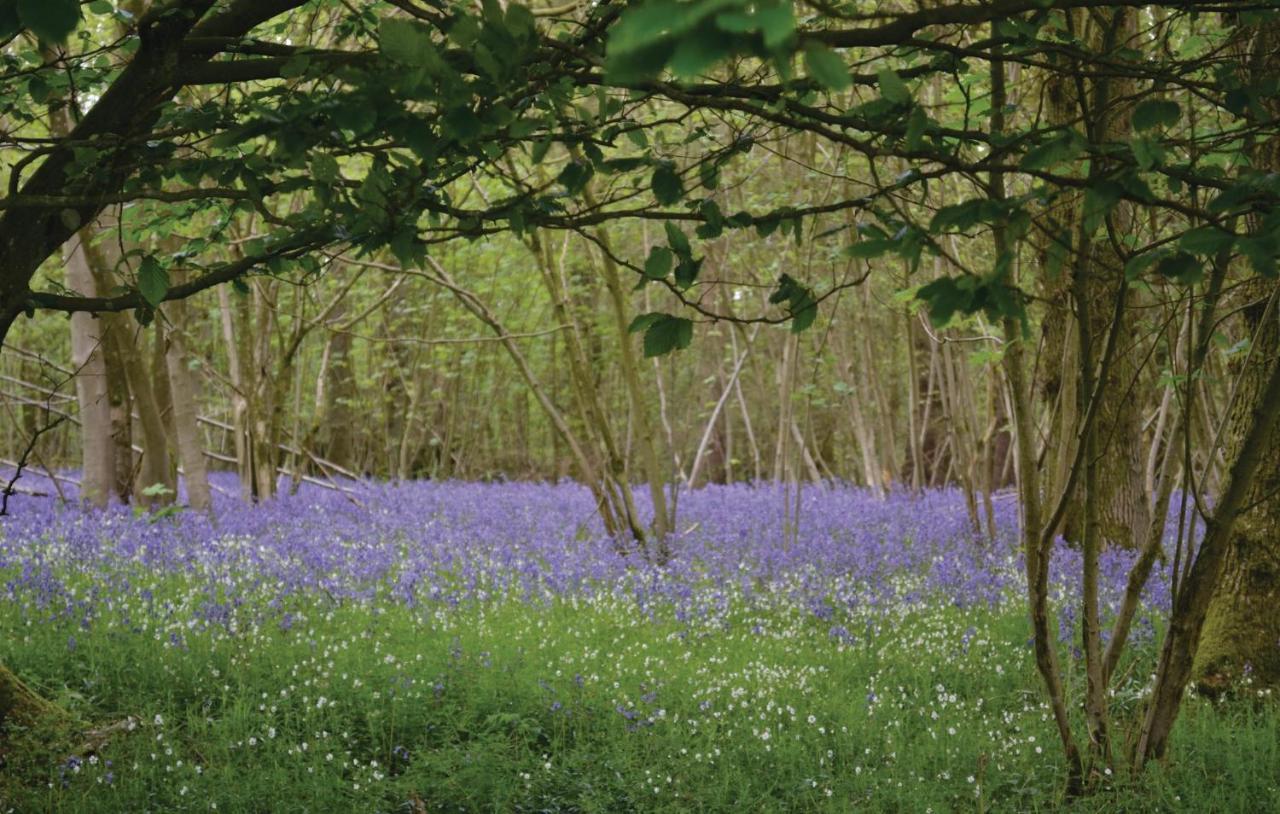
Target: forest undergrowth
<point x="466" y="647"/>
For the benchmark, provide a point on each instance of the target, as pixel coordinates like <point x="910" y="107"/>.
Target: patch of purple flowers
<point x="450" y="543"/>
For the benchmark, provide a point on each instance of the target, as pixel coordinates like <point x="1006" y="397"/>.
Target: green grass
<point x="585" y="707"/>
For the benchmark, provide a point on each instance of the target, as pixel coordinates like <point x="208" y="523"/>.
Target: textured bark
<point x="340" y="396"/>
<point x="128" y="108"/>
<point x="603" y="488"/>
<point x="1259" y="417"/>
<point x="135" y="392"/>
<point x="1037" y="556"/>
<point x="247" y="327"/>
<point x="232" y="340"/>
<point x="88" y="358"/>
<point x="183" y="397"/>
<point x="154" y="467"/>
<point x="115" y="328"/>
<point x="263" y="398"/>
<point x="1100" y="110"/>
<point x="1242" y="628"/>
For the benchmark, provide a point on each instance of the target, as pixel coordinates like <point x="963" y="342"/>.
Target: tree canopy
<point x="404" y="125"/>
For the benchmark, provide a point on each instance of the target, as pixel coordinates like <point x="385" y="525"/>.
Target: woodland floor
<point x="465" y="647"/>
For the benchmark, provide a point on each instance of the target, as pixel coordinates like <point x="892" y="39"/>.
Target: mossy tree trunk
<point x="30" y="727"/>
<point x="1100" y="109"/>
<point x="1242" y="628"/>
<point x="19" y="704"/>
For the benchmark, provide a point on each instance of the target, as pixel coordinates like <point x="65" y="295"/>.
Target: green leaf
<point x="1261" y="252"/>
<point x="1065" y="147"/>
<point x="643" y="321"/>
<point x="324" y="168"/>
<point x="965" y="215"/>
<point x="665" y="334"/>
<point x="687" y="271"/>
<point x="575" y="175"/>
<point x="737" y="22"/>
<point x="699" y="52"/>
<point x="677" y="240"/>
<point x="643" y="25"/>
<point x="1205" y="240"/>
<point x="668" y="187"/>
<point x="1153" y="113"/>
<point x="1139" y="263"/>
<point x="1099" y="200"/>
<point x="709" y="174"/>
<point x="520" y="22"/>
<point x="408" y="43"/>
<point x="153" y="281"/>
<point x="892" y="88"/>
<point x="625" y="164"/>
<point x="538" y="150"/>
<point x="943" y="298"/>
<point x="1147" y="152"/>
<point x="157" y="490"/>
<point x="50" y="20"/>
<point x="636" y="136"/>
<point x="826" y="67"/>
<point x="777" y="24"/>
<point x="869" y="247"/>
<point x="464" y="31"/>
<point x="1181" y="268"/>
<point x="658" y="265"/>
<point x="801" y="304"/>
<point x="462" y="124"/>
<point x="714" y="225"/>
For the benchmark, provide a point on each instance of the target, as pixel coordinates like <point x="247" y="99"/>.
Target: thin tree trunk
<point x="182" y="392"/>
<point x="655" y="473"/>
<point x="233" y="342"/>
<point x="88" y="357"/>
<point x="1252" y="431"/>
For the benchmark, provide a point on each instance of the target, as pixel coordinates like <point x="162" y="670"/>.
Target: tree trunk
<point x="263" y="395"/>
<point x="1258" y="422"/>
<point x="1121" y="496"/>
<point x="182" y="394"/>
<point x="88" y="359"/>
<point x="127" y="353"/>
<point x="340" y="396"/>
<point x="232" y="340"/>
<point x="1242" y="629"/>
<point x="20" y="705"/>
<point x="155" y="469"/>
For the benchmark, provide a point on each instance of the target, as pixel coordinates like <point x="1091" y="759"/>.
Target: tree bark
<point x="1102" y="109"/>
<point x="88" y="358"/>
<point x="1256" y="419"/>
<point x="1242" y="628"/>
<point x="182" y="394"/>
